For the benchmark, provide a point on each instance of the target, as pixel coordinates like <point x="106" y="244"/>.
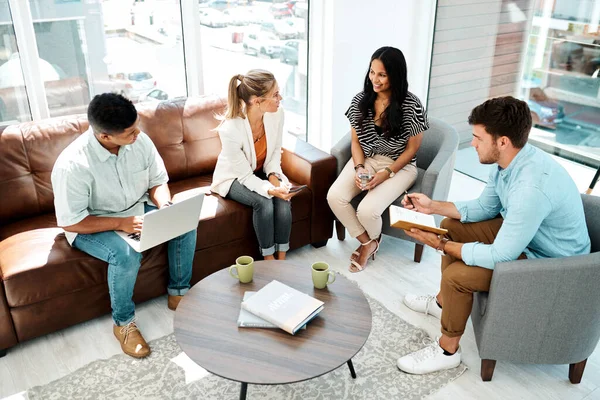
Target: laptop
<point x="165" y="224"/>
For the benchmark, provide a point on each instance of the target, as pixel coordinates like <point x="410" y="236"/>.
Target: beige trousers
<point x="367" y="217"/>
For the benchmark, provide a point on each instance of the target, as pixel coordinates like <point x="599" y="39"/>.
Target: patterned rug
<point x="169" y="374"/>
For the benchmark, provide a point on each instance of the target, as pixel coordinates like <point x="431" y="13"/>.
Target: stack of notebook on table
<point x="278" y="306"/>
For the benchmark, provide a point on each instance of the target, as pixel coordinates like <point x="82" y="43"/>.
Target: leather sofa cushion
<point x="54" y="268"/>
<point x="38" y="222"/>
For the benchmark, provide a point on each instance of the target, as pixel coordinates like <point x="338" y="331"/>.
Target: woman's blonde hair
<point x="256" y="82"/>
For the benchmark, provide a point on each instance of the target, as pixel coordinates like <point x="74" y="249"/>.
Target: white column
<point x="192" y="49"/>
<point x="343" y="36"/>
<point x="30" y="59"/>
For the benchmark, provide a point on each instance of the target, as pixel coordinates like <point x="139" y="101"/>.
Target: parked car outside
<point x="154" y="95"/>
<point x="222" y="4"/>
<point x="213" y="18"/>
<point x="298" y="26"/>
<point x="289" y="52"/>
<point x="262" y="43"/>
<point x="280" y="29"/>
<point x="281" y="11"/>
<point x="133" y="84"/>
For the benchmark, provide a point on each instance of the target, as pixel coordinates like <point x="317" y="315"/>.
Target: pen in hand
<point x="407" y="197"/>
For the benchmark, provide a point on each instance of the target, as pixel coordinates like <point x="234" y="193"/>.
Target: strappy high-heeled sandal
<point x="356" y="253"/>
<point x="372" y="255"/>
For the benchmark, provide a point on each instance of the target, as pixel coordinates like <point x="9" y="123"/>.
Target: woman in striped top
<point x="387" y="123"/>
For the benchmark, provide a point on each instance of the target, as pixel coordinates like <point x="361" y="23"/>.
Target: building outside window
<point x="136" y="48"/>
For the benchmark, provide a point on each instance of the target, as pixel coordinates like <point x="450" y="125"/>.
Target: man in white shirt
<point x="104" y="182"/>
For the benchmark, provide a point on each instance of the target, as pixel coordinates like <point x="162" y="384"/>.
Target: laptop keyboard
<point x="135" y="236"/>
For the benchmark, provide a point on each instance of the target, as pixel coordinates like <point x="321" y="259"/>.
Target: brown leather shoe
<point x="173" y="302"/>
<point x="132" y="341"/>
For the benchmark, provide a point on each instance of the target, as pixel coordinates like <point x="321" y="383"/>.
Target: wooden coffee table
<point x="206" y="328"/>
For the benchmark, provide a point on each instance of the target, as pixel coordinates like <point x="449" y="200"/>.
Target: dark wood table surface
<point x="206" y="328"/>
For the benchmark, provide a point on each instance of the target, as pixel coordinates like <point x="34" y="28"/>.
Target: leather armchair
<point x="435" y="163"/>
<point x="542" y="311"/>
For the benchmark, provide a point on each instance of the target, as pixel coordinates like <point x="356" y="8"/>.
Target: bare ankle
<point x="450" y="344"/>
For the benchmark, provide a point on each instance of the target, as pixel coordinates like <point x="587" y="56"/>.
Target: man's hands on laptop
<point x="132" y="224"/>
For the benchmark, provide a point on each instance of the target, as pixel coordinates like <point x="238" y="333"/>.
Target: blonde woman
<point x="249" y="166"/>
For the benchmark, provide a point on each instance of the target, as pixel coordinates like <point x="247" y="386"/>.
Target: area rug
<point x="161" y="376"/>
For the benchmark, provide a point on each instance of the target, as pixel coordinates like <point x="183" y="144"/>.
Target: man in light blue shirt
<point x="104" y="182"/>
<point x="530" y="208"/>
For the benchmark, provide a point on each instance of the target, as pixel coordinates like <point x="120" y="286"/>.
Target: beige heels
<point x="354" y="263"/>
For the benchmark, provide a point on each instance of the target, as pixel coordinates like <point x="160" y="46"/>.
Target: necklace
<point x="261" y="133"/>
<point x="257" y="132"/>
<point x="258" y="138"/>
<point x="384" y="104"/>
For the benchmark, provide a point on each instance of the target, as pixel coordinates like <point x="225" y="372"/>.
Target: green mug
<point x="244" y="269"/>
<point x="321" y="275"/>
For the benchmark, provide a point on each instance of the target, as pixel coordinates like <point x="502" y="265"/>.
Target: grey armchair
<point x="435" y="163"/>
<point x="542" y="311"/>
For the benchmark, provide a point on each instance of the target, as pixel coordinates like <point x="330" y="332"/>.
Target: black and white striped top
<point x="372" y="142"/>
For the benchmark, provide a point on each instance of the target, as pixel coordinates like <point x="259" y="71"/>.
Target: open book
<point x="283" y="306"/>
<point x="402" y="218"/>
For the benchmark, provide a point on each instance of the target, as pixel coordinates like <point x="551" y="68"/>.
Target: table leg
<point x="351" y="369"/>
<point x="243" y="391"/>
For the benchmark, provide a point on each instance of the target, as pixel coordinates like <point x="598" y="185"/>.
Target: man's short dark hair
<point x="111" y="113"/>
<point x="504" y="116"/>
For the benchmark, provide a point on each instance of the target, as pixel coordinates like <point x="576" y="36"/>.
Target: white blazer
<point x="237" y="159"/>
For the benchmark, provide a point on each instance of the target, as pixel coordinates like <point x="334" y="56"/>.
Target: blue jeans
<point x="272" y="218"/>
<point x="124" y="264"/>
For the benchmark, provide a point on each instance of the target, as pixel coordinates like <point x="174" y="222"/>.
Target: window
<point x="546" y="52"/>
<point x="238" y="36"/>
<point x="14" y="105"/>
<point x="561" y="80"/>
<point x="91" y="47"/>
<point x="137" y="48"/>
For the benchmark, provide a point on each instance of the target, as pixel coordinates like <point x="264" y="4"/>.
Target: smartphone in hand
<point x="296" y="189"/>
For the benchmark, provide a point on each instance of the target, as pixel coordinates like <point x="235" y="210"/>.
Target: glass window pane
<point x="14" y="105"/>
<point x="561" y="79"/>
<point x="271" y="35"/>
<point x="92" y="47"/>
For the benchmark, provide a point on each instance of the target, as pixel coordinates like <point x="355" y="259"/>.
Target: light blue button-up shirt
<point x="542" y="211"/>
<point x="87" y="179"/>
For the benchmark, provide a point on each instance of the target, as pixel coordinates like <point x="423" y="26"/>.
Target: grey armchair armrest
<point x="435" y="163"/>
<point x="542" y="311"/>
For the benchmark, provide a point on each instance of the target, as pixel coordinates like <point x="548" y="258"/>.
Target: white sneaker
<point x="423" y="304"/>
<point x="427" y="360"/>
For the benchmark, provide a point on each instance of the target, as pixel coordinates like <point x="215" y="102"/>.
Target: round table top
<point x="206" y="327"/>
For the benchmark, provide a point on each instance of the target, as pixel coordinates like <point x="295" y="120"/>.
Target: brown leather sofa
<point x="47" y="285"/>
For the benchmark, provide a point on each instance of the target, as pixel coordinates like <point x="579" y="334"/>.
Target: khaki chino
<point x="460" y="280"/>
<point x="367" y="217"/>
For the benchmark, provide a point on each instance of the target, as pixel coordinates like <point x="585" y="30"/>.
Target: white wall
<point x="343" y="36"/>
